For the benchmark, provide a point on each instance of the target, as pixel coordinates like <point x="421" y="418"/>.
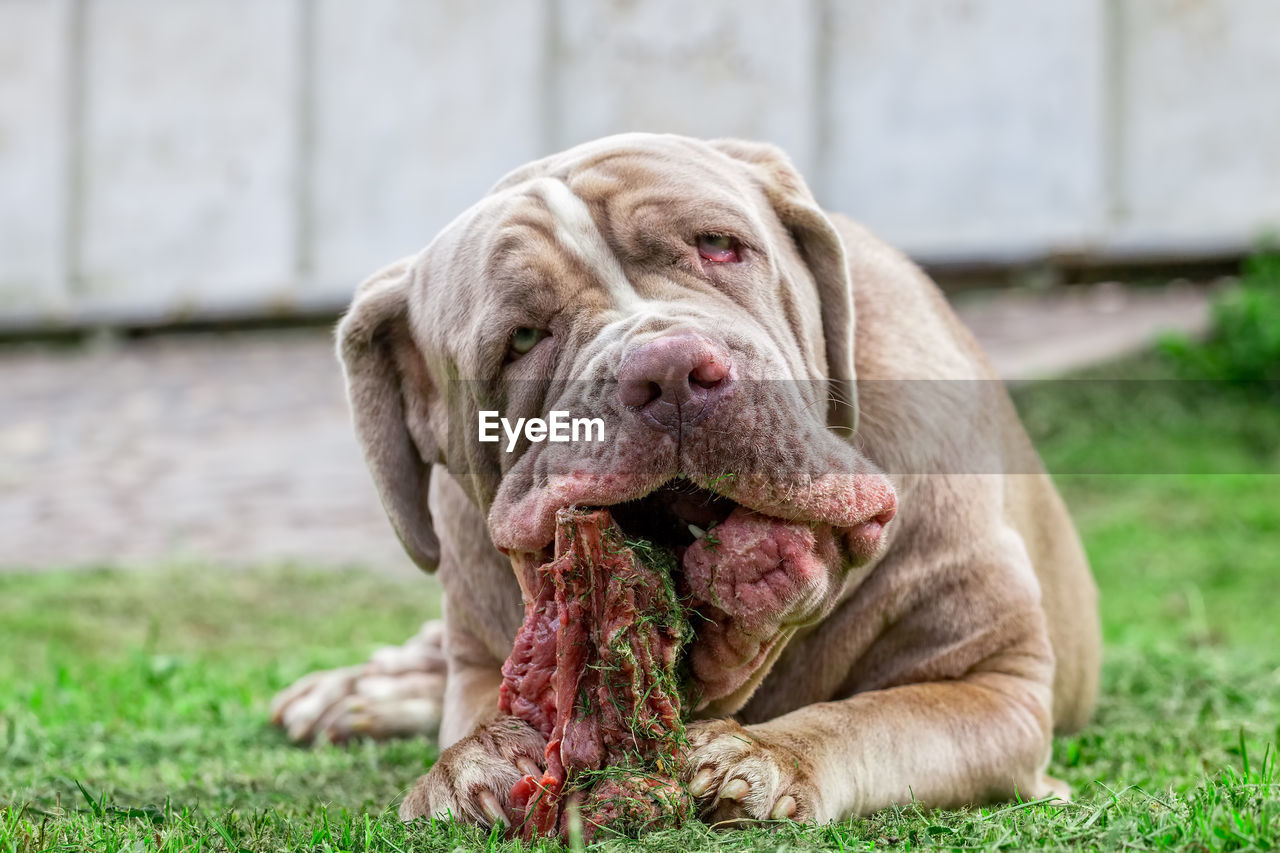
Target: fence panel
<point x="418" y="109"/>
<point x="1201" y="139"/>
<point x="34" y="60"/>
<point x="161" y="159"/>
<point x="190" y="171"/>
<point x="969" y="128"/>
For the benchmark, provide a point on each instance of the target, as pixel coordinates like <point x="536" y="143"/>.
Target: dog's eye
<point x="718" y="248"/>
<point x="524" y="339"/>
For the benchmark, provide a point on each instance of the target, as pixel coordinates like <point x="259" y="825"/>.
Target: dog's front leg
<point x="983" y="737"/>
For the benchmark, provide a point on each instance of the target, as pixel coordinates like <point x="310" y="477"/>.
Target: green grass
<point x="133" y="705"/>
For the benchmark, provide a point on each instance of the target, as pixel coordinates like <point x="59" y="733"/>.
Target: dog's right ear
<point x="823" y="252"/>
<point x="390" y="393"/>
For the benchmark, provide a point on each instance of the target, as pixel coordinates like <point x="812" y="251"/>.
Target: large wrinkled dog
<point x="905" y="611"/>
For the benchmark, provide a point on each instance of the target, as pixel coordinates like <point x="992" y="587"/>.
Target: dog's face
<point x="691" y="296"/>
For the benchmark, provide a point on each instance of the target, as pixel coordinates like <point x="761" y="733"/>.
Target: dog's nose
<point x="673" y="380"/>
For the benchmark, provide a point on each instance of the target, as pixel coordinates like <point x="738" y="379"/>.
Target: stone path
<point x="211" y="449"/>
<point x="235" y="449"/>
<point x="1032" y="335"/>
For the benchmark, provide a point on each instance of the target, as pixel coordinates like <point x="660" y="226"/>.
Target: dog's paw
<point x="397" y="693"/>
<point x="1054" y="789"/>
<point x="738" y="774"/>
<point x="471" y="783"/>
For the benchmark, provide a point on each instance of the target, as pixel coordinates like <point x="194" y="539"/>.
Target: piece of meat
<point x="594" y="669"/>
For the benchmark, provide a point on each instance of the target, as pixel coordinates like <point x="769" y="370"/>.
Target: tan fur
<point x="939" y="670"/>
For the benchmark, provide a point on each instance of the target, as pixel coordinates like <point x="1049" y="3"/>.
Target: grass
<point x="133" y="705"/>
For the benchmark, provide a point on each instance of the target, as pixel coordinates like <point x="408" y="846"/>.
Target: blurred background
<point x="169" y="159"/>
<point x="191" y="189"/>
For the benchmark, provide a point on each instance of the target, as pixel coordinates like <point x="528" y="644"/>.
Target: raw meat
<point x="594" y="669"/>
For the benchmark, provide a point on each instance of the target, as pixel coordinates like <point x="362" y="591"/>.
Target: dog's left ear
<point x="823" y="252"/>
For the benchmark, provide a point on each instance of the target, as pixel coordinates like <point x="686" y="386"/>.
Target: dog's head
<point x="693" y="297"/>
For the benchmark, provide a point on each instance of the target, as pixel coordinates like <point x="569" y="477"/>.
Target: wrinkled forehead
<point x="576" y="229"/>
<point x="583" y="199"/>
<point x="635" y="156"/>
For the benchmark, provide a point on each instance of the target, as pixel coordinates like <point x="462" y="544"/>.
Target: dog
<point x="904" y="610"/>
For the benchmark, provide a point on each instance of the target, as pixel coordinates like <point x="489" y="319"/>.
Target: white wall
<point x="163" y="158"/>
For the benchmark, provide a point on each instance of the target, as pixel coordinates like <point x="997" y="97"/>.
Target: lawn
<point x="133" y="705"/>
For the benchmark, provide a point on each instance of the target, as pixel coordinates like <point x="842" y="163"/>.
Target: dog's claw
<point x="701" y="782"/>
<point x="748" y="774"/>
<point x="492" y="808"/>
<point x="784" y="808"/>
<point x="528" y="767"/>
<point x="735" y="789"/>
